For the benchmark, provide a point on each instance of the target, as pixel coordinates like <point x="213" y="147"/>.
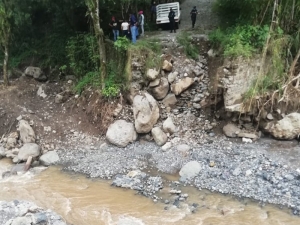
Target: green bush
<point x="122" y="43"/>
<point x="90" y="79"/>
<point x="239" y="40"/>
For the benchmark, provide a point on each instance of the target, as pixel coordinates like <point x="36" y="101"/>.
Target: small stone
<point x="248" y="173"/>
<point x="270" y="116"/>
<point x="19" y="118"/>
<point x="212" y="164"/>
<point x="246" y="140"/>
<point x="166" y="146"/>
<point x="236" y="172"/>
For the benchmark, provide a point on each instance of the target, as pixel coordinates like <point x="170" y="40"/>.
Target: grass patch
<point x="189" y="49"/>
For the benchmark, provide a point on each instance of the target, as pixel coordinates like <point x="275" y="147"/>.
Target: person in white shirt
<point x="141" y="22"/>
<point x="125" y="28"/>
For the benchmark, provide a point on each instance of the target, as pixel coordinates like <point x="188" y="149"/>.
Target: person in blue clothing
<point x="114" y="26"/>
<point x="133" y="27"/>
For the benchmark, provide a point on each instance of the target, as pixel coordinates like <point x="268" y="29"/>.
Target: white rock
<point x="248" y="173"/>
<point x="166" y="146"/>
<point x="36" y="73"/>
<point x="270" y="116"/>
<point x="190" y="170"/>
<point x="121" y="133"/>
<point x="246" y="140"/>
<point x="59" y="99"/>
<point x="49" y="158"/>
<point x="19" y="118"/>
<point x="159" y="136"/>
<point x="172" y="77"/>
<point x="168" y="126"/>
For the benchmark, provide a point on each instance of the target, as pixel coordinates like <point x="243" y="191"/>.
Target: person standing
<point x="194" y="13"/>
<point x="125" y="28"/>
<point x="141" y="22"/>
<point x="172" y="20"/>
<point x="133" y="27"/>
<point x="153" y="11"/>
<point x="114" y="25"/>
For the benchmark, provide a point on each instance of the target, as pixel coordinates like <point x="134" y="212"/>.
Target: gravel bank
<point x="22" y="212"/>
<point x="243" y="170"/>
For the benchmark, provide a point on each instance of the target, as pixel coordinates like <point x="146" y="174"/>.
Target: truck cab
<point x="162" y="13"/>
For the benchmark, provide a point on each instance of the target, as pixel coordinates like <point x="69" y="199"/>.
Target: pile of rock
<point x="22" y="148"/>
<point x="166" y="103"/>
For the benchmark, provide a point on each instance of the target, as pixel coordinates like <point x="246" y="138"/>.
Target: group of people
<point x="130" y="28"/>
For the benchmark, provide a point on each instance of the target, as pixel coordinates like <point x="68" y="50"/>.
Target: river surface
<point x="82" y="201"/>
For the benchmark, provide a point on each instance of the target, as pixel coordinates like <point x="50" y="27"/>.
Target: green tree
<point x="5" y="35"/>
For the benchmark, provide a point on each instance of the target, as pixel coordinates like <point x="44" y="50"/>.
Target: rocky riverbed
<point x="22" y="212"/>
<point x="243" y="170"/>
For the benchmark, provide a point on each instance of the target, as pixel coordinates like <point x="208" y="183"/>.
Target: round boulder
<point x="121" y="133"/>
<point x="29" y="149"/>
<point x="145" y="112"/>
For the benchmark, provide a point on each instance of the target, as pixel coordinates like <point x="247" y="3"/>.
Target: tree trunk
<point x="94" y="12"/>
<point x="5" y="66"/>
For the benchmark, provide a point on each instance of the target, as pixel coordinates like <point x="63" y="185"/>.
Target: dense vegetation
<point x="65" y="37"/>
<point x="266" y="28"/>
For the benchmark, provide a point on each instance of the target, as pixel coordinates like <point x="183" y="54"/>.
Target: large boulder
<point x="160" y="91"/>
<point x="159" y="136"/>
<point x="152" y="74"/>
<point x="27" y="134"/>
<point x="286" y="128"/>
<point x="189" y="170"/>
<point x="36" y="73"/>
<point x="49" y="158"/>
<point x="121" y="133"/>
<point x="168" y="126"/>
<point x="145" y="112"/>
<point x="182" y="85"/>
<point x="231" y="130"/>
<point x="29" y="149"/>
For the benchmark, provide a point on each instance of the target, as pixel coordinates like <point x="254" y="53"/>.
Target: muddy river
<point x="83" y="201"/>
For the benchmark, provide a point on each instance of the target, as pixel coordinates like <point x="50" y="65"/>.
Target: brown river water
<point x="82" y="201"/>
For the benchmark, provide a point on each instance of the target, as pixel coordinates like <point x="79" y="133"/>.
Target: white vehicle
<point x="162" y="13"/>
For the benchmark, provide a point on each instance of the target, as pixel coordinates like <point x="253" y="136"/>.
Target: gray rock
<point x="159" y="92"/>
<point x="190" y="170"/>
<point x="41" y="91"/>
<point x="166" y="146"/>
<point x="159" y="136"/>
<point x="27" y="134"/>
<point x="36" y="73"/>
<point x="154" y="83"/>
<point x="196" y="106"/>
<point x="172" y="77"/>
<point x="29" y="149"/>
<point x="59" y="99"/>
<point x="12" y="140"/>
<point x="121" y="133"/>
<point x="231" y="130"/>
<point x="170" y="100"/>
<point x="237" y="171"/>
<point x="183" y="148"/>
<point x="49" y="158"/>
<point x="287" y="128"/>
<point x="145" y="112"/>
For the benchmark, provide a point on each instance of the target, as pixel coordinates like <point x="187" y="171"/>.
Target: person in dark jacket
<point x="194" y="13"/>
<point x="172" y="20"/>
<point x="133" y="27"/>
<point x="153" y="11"/>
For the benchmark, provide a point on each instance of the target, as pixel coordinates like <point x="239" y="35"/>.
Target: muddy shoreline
<point x="264" y="171"/>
